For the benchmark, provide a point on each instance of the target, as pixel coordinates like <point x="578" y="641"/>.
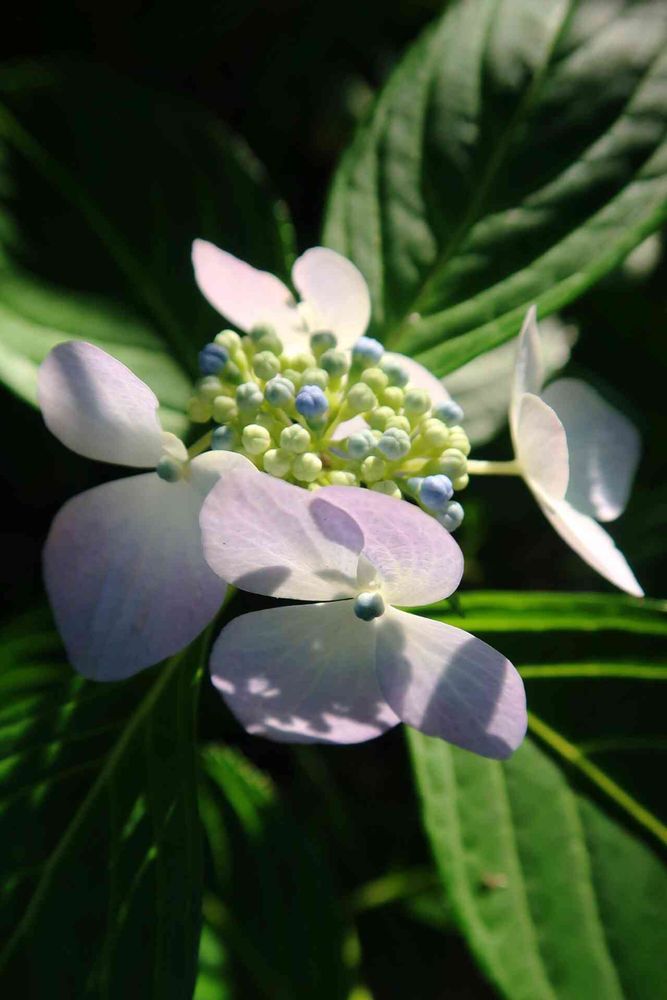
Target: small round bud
<point x="249" y="397"/>
<point x="388" y="487"/>
<point x="451" y="463"/>
<point x="322" y="341"/>
<point x="270" y="342"/>
<point x="369" y="605"/>
<point x="199" y="411"/>
<point x="256" y="439"/>
<point x="361" y="398"/>
<point x="338" y="477"/>
<point x="233" y="373"/>
<point x="367" y="352"/>
<point x="375" y="378"/>
<point x="435" y="492"/>
<point x="373" y="469"/>
<point x="299" y="361"/>
<point x="392" y="396"/>
<point x="434" y="434"/>
<point x="169" y="469"/>
<point x="398" y="421"/>
<point x="261" y="330"/>
<point x="279" y="391"/>
<point x="277" y="462"/>
<point x="396" y="375"/>
<point x="315" y="376"/>
<point x="452" y="517"/>
<point x="223" y="439"/>
<point x="459" y="439"/>
<point x="224" y="410"/>
<point x="311" y="402"/>
<point x="413" y="486"/>
<point x="306" y="467"/>
<point x="394" y="444"/>
<point x="229" y="340"/>
<point x="212" y="359"/>
<point x="379" y="417"/>
<point x="361" y="444"/>
<point x="449" y="412"/>
<point x="265" y="365"/>
<point x="334" y="363"/>
<point x="461" y="482"/>
<point x="416" y="401"/>
<point x="295" y="439"/>
<point x="208" y="388"/>
<point x="293" y="376"/>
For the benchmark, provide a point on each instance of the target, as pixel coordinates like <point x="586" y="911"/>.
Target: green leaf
<point x="556" y="900"/>
<point x="516" y="155"/>
<point x="274" y="905"/>
<point x="99" y="830"/>
<point x="104" y="186"/>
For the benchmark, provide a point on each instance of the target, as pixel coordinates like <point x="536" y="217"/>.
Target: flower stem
<point x="481" y="468"/>
<point x="201" y="445"/>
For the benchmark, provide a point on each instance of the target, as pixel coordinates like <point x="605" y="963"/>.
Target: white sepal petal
<point x="528" y="367"/>
<point x="335" y="294"/>
<point x="541" y="447"/>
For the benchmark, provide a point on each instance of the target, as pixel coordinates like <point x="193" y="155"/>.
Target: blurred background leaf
<point x="516" y="155"/>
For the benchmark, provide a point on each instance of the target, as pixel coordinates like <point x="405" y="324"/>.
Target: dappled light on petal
<point x="446" y="683"/>
<point x="302" y="674"/>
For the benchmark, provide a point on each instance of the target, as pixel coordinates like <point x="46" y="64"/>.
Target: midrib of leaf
<point x="130" y="265"/>
<point x="495" y="163"/>
<point x="95" y="792"/>
<point x="574" y="756"/>
<point x="631" y="671"/>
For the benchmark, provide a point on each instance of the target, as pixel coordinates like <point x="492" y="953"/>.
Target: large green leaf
<point x="556" y="900"/>
<point x="273" y="904"/>
<point x="100" y="841"/>
<point x="104" y="187"/>
<point x="516" y="155"/>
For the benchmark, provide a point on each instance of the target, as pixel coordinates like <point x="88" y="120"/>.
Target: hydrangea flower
<point x="334" y="295"/>
<point x="577" y="454"/>
<point x="123" y="562"/>
<point x="351" y="666"/>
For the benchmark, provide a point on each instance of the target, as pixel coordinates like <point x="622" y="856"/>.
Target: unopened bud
<point x="224" y="410"/>
<point x="277" y="462"/>
<point x="295" y="439"/>
<point x="265" y="365"/>
<point x="256" y="439"/>
<point x="373" y="469"/>
<point x="306" y="467"/>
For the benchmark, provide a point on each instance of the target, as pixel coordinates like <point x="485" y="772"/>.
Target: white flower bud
<point x="295" y="439"/>
<point x="306" y="467"/>
<point x="256" y="439"/>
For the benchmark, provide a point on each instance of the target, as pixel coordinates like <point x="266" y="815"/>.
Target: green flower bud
<point x="199" y="411"/>
<point x="293" y="376"/>
<point x="392" y="396"/>
<point x="224" y="410"/>
<point x="398" y="422"/>
<point x="361" y="398"/>
<point x="375" y="378"/>
<point x="373" y="469"/>
<point x="451" y="463"/>
<point x="435" y="434"/>
<point x="387" y="486"/>
<point x="461" y="482"/>
<point x="209" y="387"/>
<point x="379" y="417"/>
<point x="396" y="375"/>
<point x="249" y="397"/>
<point x="277" y="462"/>
<point x="265" y="365"/>
<point x="338" y="477"/>
<point x="416" y="401"/>
<point x="335" y="363"/>
<point x="306" y="467"/>
<point x="261" y="330"/>
<point x="256" y="439"/>
<point x="295" y="439"/>
<point x="169" y="469"/>
<point x="229" y="340"/>
<point x="270" y="342"/>
<point x="233" y="373"/>
<point x="459" y="439"/>
<point x="315" y="376"/>
<point x="299" y="361"/>
<point x="322" y="341"/>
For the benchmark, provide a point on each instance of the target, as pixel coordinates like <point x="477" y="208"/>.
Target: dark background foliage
<point x="293" y="79"/>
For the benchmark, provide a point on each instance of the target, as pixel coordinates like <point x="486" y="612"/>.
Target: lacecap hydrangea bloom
<point x="577" y="454"/>
<point x="353" y="665"/>
<point x="123" y="562"/>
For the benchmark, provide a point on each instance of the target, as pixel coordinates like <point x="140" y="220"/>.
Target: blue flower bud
<point x="367" y="351"/>
<point x="311" y="402"/>
<point x="435" y="492"/>
<point x="452" y="517"/>
<point x="449" y="412"/>
<point x="394" y="444"/>
<point x="361" y="444"/>
<point x="396" y="375"/>
<point x="369" y="605"/>
<point x="169" y="469"/>
<point x="223" y="438"/>
<point x="279" y="391"/>
<point x="212" y="359"/>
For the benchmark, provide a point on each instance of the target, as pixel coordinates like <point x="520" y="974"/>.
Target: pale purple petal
<point x="603" y="446"/>
<point x="421" y="377"/>
<point x="541" y="447"/>
<point x="590" y="541"/>
<point x="335" y="293"/>
<point x="528" y="367"/>
<point x="206" y="469"/>
<point x="98" y="407"/>
<point x="302" y="674"/>
<point x="269" y="537"/>
<point x="126" y="576"/>
<point x="446" y="683"/>
<point x="244" y="295"/>
<point x="418" y="561"/>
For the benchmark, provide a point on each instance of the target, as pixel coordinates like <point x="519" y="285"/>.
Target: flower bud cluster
<point x="288" y="412"/>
